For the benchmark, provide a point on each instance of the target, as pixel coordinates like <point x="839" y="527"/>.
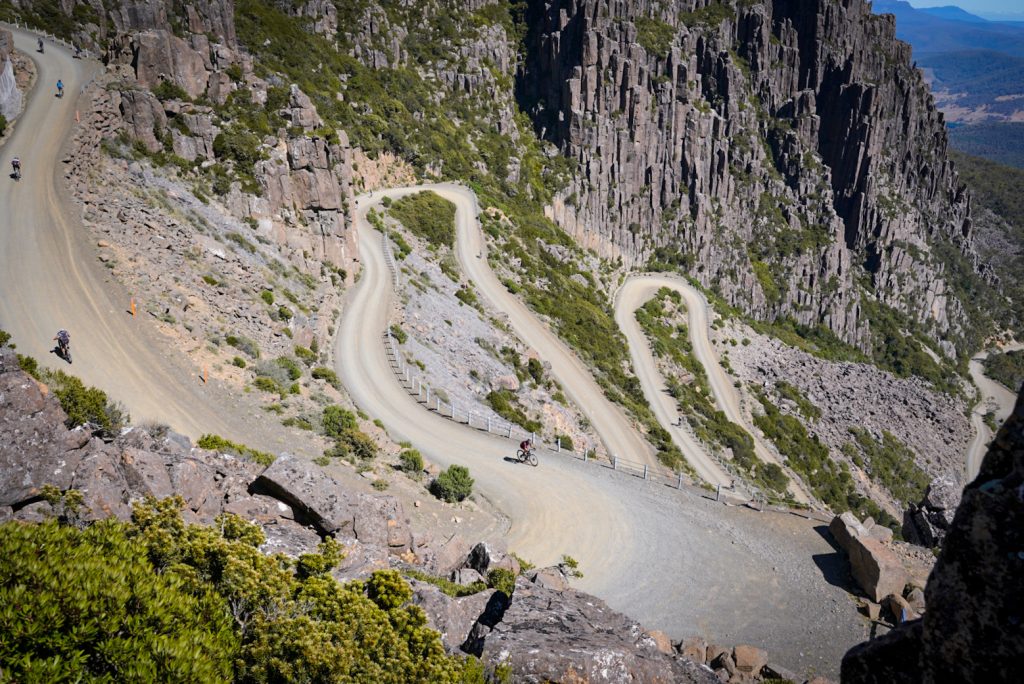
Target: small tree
<point x="453" y="484"/>
<point x="337" y="421"/>
<point x="411" y="460"/>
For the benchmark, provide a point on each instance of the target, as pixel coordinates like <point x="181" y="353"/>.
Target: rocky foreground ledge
<point x="546" y="631"/>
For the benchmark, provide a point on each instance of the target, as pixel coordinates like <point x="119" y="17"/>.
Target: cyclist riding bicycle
<point x="60" y="88"/>
<point x="526" y="445"/>
<point x="63" y="344"/>
<point x="16" y="165"/>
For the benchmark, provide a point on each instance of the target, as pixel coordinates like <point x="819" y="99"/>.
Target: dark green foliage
<point x="307" y="356"/>
<point x="267" y="296"/>
<point x="828" y="480"/>
<point x="790" y="392"/>
<point x="399" y="334"/>
<point x="411" y="461"/>
<point x="166" y="90"/>
<point x="238" y="361"/>
<point x="328" y="374"/>
<point x="3" y="124"/>
<point x="999" y="142"/>
<point x="225" y="446"/>
<point x="427" y="215"/>
<point x="5" y="337"/>
<point x="453" y="484"/>
<point x="502" y="579"/>
<point x="655" y="36"/>
<point x="713" y="14"/>
<point x="1007" y="368"/>
<point x="290" y="366"/>
<point x="239" y="146"/>
<point x="87" y="605"/>
<point x="336" y="421"/>
<point x="507" y="405"/>
<point x="892" y="464"/>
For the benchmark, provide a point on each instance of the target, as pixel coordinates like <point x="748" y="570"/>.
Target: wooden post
<point x="133" y="307"/>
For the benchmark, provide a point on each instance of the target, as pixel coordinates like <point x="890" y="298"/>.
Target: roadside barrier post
<point x="585" y="454"/>
<point x="558" y="445"/>
<point x="488" y="425"/>
<point x="438" y="405"/>
<point x="133" y="307"/>
<point x="645" y="471"/>
<point x="510" y="430"/>
<point x="615" y="462"/>
<point x="718" y="493"/>
<point x="679" y="483"/>
<point x="427" y="402"/>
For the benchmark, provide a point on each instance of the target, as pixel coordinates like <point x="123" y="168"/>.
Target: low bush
<point x="324" y="373"/>
<point x="453" y="484"/>
<point x="307" y="356"/>
<point x="226" y="446"/>
<point x="427" y="215"/>
<point x="336" y="421"/>
<point x="502" y="579"/>
<point x="506" y="405"/>
<point x="244" y="345"/>
<point x="411" y="461"/>
<point x="82" y="404"/>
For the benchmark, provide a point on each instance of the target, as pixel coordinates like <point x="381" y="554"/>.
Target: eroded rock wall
<point x="787" y="151"/>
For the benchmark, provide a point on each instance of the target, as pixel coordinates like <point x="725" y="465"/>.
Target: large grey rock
<point x="452" y="617"/>
<point x="35" y="447"/>
<point x="322" y="502"/>
<point x="546" y="635"/>
<point x="485" y="557"/>
<point x="975" y="594"/>
<point x="926" y="523"/>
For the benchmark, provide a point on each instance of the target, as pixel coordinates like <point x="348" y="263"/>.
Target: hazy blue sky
<point x="979" y="7"/>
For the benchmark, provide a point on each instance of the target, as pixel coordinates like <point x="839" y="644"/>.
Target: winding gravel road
<point x="634" y="293"/>
<point x="50" y="277"/>
<point x="992" y="392"/>
<point x="674" y="560"/>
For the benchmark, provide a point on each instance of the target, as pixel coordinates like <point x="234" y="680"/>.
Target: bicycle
<point x="527" y="456"/>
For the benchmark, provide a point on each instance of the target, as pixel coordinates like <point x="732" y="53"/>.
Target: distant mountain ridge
<point x="953" y="13"/>
<point x="931" y="32"/>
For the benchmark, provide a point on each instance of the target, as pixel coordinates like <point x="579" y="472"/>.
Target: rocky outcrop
<point x="975" y="594"/>
<point x="776" y="150"/>
<point x="927" y="522"/>
<point x="545" y="635"/>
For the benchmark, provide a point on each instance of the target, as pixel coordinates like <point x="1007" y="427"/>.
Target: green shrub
<point x="506" y="405"/>
<point x="655" y="36"/>
<point x="244" y="345"/>
<point x="427" y="215"/>
<point x="399" y="334"/>
<point x="268" y="297"/>
<point x="571" y="566"/>
<point x="238" y="145"/>
<point x="284" y="313"/>
<point x="5" y="337"/>
<point x="307" y="356"/>
<point x="3" y="124"/>
<point x="88" y="605"/>
<point x="226" y="446"/>
<point x="238" y="361"/>
<point x="166" y="90"/>
<point x="411" y="461"/>
<point x="336" y="421"/>
<point x="446" y="586"/>
<point x="323" y="373"/>
<point x="502" y="579"/>
<point x="453" y="484"/>
<point x="270" y="385"/>
<point x="290" y="366"/>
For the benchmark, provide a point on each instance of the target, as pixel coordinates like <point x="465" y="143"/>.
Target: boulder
<point x="441" y="560"/>
<point x="288" y="537"/>
<point x="551" y="578"/>
<point x="452" y="617"/>
<point x="749" y="659"/>
<point x="484" y="557"/>
<point x="899" y="609"/>
<point x="320" y="501"/>
<point x="506" y="382"/>
<point x="466" y="577"/>
<point x="101" y="481"/>
<point x="873" y="565"/>
<point x="915" y="598"/>
<point x="695" y="648"/>
<point x="146" y="473"/>
<point x="661" y="641"/>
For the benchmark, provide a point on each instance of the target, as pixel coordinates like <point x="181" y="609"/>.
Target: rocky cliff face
<point x="784" y="153"/>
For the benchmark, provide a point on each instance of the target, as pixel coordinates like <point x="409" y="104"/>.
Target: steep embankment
<point x="993" y="397"/>
<point x="647" y="550"/>
<point x="50" y="278"/>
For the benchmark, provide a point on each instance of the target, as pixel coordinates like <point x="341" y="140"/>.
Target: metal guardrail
<point x="81" y="52"/>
